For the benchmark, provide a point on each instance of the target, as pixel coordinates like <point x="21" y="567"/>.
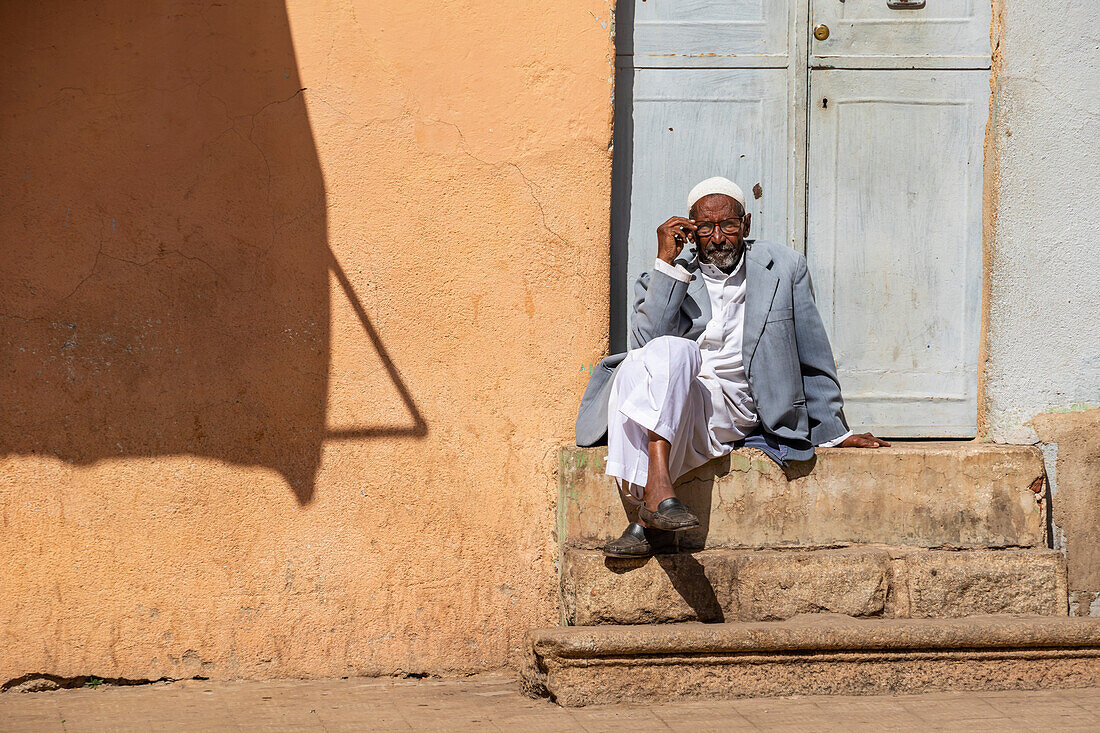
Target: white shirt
<point x="734" y="412"/>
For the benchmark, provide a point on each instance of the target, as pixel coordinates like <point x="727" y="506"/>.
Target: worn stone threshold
<point x="817" y="654"/>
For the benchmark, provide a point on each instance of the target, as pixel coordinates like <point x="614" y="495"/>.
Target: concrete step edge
<point x="816" y="656"/>
<point x="819" y="633"/>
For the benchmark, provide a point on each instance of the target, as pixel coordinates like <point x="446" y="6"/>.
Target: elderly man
<point x="727" y="350"/>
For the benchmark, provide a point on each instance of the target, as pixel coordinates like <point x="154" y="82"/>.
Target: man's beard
<point x="724" y="258"/>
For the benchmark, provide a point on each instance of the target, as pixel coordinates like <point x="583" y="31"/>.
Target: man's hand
<point x="863" y="440"/>
<point x="672" y="236"/>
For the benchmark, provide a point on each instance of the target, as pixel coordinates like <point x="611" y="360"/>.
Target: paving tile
<point x="886" y="719"/>
<point x="954" y="708"/>
<point x="600" y="719"/>
<point x="857" y="705"/>
<point x="1089" y="705"/>
<point x="538" y="723"/>
<point x="1045" y="722"/>
<point x="711" y="726"/>
<point x="779" y="720"/>
<point x="494" y="703"/>
<point x="974" y="725"/>
<point x="708" y="719"/>
<point x="31" y="726"/>
<point x="747" y="706"/>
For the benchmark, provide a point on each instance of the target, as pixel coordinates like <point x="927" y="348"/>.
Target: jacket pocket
<point x="780" y="314"/>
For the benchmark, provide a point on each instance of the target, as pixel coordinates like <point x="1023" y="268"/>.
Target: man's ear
<point x="746" y="225"/>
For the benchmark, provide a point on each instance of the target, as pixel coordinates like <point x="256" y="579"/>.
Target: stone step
<point x="811" y="655"/>
<point x="768" y="585"/>
<point x="924" y="494"/>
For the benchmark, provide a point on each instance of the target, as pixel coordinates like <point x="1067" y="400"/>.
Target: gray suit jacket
<point x="787" y="357"/>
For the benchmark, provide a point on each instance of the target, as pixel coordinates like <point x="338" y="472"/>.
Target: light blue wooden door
<point x="898" y="103"/>
<point x="864" y="147"/>
<point x="894" y="242"/>
<point x="690" y="125"/>
<point x="701" y="90"/>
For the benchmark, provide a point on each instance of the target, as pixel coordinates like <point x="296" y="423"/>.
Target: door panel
<point x="894" y="242"/>
<point x="945" y="32"/>
<point x="690" y="124"/>
<point x="708" y="31"/>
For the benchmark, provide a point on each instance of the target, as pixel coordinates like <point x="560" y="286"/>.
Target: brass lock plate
<point x="821" y="31"/>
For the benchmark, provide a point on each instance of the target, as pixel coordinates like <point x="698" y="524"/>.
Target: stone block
<point x="776" y="585"/>
<point x="1076" y="507"/>
<point x="722" y="585"/>
<point x="937" y="494"/>
<point x="661" y="589"/>
<point x="1084" y="603"/>
<point x="765" y="585"/>
<point x="809" y="656"/>
<point x="977" y="582"/>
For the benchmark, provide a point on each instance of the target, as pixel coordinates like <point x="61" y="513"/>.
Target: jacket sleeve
<point x="819" y="381"/>
<point x="657" y="300"/>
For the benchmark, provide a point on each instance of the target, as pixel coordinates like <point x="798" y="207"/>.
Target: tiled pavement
<point x="493" y="702"/>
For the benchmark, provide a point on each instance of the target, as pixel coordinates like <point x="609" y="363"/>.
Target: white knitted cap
<point x="718" y="184"/>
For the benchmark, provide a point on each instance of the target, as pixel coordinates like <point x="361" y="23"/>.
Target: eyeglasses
<point x="728" y="226"/>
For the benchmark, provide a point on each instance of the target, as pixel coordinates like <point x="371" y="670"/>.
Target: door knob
<point x="821" y="31"/>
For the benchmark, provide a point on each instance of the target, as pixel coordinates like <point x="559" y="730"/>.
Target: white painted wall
<point x="1044" y="318"/>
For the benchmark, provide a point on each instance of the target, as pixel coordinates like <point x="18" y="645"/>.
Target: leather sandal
<point x="639" y="541"/>
<point x="671" y="514"/>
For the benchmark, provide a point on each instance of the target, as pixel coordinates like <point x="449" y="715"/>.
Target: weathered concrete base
<point x="1084" y="603"/>
<point x="770" y="585"/>
<point x="1076" y="510"/>
<point x="935" y="494"/>
<point x="810" y="655"/>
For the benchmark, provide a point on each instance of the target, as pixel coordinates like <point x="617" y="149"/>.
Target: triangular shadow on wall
<point x="419" y="427"/>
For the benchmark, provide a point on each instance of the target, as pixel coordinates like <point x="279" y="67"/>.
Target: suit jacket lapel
<point x="697" y="291"/>
<point x="760" y="287"/>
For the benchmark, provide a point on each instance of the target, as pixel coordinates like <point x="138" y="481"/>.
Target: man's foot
<point x="639" y="541"/>
<point x="671" y="514"/>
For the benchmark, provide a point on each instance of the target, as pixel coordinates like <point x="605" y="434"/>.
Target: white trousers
<point x="658" y="387"/>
